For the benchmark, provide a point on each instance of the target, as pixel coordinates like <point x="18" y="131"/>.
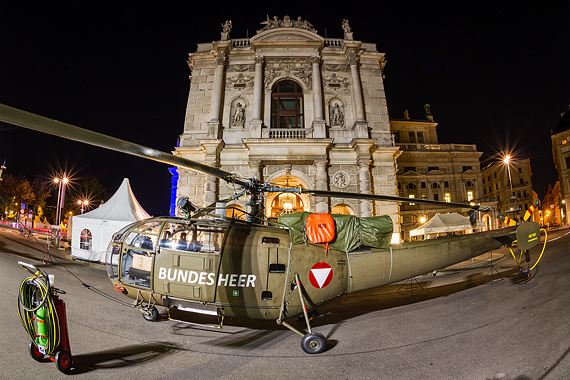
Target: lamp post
<point x="83" y="204"/>
<point x="60" y="202"/>
<point x="60" y="197"/>
<point x="507" y="161"/>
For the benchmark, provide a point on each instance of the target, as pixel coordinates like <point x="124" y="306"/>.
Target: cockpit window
<point x="112" y="260"/>
<point x="118" y="236"/>
<point x="143" y="241"/>
<point x="192" y="237"/>
<point x="136" y="268"/>
<point x="136" y="260"/>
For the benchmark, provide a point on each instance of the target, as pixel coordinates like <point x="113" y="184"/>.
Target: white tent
<point x="92" y="231"/>
<point x="442" y="223"/>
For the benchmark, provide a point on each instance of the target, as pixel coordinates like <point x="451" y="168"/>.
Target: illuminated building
<point x="560" y="137"/>
<point x="441" y="172"/>
<point x="289" y="106"/>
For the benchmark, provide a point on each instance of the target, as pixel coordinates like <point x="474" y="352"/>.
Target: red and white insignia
<point x="321" y="275"/>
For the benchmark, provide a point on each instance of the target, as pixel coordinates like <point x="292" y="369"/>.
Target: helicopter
<point x="223" y="267"/>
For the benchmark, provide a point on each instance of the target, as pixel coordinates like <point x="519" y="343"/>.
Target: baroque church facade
<point x="294" y="109"/>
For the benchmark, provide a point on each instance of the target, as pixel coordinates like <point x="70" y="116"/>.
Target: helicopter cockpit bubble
<point x="118" y="236"/>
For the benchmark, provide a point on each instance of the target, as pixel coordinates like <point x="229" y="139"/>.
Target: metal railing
<point x="420" y="146"/>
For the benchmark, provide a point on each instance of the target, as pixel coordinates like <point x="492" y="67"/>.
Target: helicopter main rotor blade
<point x="35" y="122"/>
<point x="390" y="198"/>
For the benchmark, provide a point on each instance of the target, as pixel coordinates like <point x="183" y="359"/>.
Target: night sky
<point x="496" y="74"/>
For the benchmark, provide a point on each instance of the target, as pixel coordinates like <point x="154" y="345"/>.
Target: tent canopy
<point x="442" y="223"/>
<point x="123" y="206"/>
<point x="92" y="231"/>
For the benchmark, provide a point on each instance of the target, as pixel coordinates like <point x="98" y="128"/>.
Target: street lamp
<point x="60" y="202"/>
<point x="507" y="162"/>
<point x="60" y="197"/>
<point x="83" y="204"/>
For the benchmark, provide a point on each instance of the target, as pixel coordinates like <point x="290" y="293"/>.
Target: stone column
<point x="360" y="127"/>
<point x="214" y="123"/>
<point x="173" y="189"/>
<point x="210" y="183"/>
<point x="321" y="183"/>
<point x="256" y="122"/>
<point x="356" y="86"/>
<point x="319" y="128"/>
<point x="364" y="174"/>
<point x="212" y="148"/>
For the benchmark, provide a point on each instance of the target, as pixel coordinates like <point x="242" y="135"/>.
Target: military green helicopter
<point x="223" y="267"/>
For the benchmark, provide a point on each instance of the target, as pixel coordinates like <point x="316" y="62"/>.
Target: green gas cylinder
<point x="41" y="326"/>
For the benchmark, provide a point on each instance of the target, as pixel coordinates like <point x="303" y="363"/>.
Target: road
<point x="457" y="327"/>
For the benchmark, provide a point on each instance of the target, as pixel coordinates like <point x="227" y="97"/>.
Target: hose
<point x="35" y="304"/>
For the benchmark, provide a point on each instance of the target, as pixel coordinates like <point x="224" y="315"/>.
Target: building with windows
<point x="560" y="137"/>
<point x="294" y="109"/>
<point x="510" y="184"/>
<point x="552" y="208"/>
<point x="441" y="172"/>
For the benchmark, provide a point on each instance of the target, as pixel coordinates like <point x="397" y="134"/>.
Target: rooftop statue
<point x="345" y="26"/>
<point x="347" y="30"/>
<point x="286" y="23"/>
<point x="227" y="26"/>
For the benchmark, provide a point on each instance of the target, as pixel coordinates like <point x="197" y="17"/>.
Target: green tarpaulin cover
<point x="351" y="231"/>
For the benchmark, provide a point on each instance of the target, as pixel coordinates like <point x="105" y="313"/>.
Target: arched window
<point x="85" y="239"/>
<point x="342" y="209"/>
<point x="411" y="186"/>
<point x="469" y="184"/>
<point x="435" y="185"/>
<point x="235" y="212"/>
<point x="287" y="105"/>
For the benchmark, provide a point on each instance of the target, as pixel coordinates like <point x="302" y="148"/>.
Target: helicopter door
<point x="138" y="254"/>
<point x="276" y="267"/>
<point x="187" y="261"/>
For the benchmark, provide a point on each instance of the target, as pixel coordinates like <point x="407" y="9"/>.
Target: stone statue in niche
<point x="337" y="116"/>
<point x="239" y="116"/>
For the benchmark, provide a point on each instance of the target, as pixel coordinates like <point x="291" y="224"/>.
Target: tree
<point x="42" y="192"/>
<point x="90" y="190"/>
<point x="15" y="191"/>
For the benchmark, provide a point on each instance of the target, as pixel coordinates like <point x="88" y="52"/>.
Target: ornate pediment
<point x="286" y="30"/>
<point x="275" y="23"/>
<point x="411" y="173"/>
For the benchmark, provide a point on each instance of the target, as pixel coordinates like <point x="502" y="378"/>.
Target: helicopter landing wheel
<point x="35" y="352"/>
<point x="153" y="317"/>
<point x="313" y="343"/>
<point x="63" y="361"/>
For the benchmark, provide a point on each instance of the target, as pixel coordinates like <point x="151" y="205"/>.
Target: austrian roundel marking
<point x="320" y="275"/>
